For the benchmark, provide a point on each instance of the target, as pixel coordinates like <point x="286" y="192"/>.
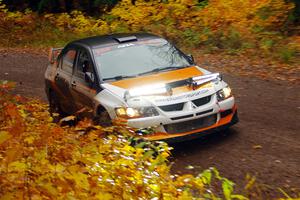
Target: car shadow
<point x="207" y="142"/>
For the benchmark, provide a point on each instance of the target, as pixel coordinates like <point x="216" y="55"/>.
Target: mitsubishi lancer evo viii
<point x="142" y="80"/>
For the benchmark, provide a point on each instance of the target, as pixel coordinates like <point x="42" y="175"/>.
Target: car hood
<point x="161" y="77"/>
<point x="119" y="88"/>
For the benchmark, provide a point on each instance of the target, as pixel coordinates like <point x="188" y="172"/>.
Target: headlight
<point x="224" y="93"/>
<point x="136" y="112"/>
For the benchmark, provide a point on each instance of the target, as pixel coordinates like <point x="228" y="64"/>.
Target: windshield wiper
<point x="118" y="77"/>
<point x="159" y="69"/>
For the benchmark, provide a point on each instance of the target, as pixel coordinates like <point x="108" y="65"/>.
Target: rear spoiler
<point x="53" y="54"/>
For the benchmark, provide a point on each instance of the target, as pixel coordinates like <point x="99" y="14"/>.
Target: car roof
<point x="112" y="39"/>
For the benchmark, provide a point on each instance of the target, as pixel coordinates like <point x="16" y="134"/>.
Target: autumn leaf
<point x="4" y="136"/>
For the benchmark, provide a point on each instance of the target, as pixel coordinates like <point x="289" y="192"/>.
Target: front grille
<point x="191" y="125"/>
<point x="204" y="112"/>
<point x="172" y="107"/>
<point x="202" y="101"/>
<point x="182" y="117"/>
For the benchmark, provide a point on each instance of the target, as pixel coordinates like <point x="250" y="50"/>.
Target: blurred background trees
<point x="273" y="26"/>
<point x="91" y="7"/>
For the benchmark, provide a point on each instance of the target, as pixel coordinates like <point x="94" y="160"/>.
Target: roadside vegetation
<point x="40" y="159"/>
<point x="265" y="28"/>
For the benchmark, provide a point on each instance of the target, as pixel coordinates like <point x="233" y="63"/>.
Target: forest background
<point x="268" y="28"/>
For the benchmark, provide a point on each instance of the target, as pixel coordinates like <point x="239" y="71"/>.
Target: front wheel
<point x="103" y="119"/>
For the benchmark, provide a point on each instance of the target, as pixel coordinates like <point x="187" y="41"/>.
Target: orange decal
<point x="163" y="77"/>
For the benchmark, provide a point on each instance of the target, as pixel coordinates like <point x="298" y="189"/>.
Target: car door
<point x="84" y="84"/>
<point x="63" y="80"/>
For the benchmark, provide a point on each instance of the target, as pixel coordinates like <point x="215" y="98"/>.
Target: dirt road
<point x="266" y="142"/>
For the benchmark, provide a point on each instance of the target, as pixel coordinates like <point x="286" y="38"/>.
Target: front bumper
<point x="197" y="133"/>
<point x="200" y="121"/>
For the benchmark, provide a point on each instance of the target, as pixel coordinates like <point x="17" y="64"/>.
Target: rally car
<point x="140" y="79"/>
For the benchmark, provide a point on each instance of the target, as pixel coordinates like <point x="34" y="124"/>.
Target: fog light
<point x="136" y="112"/>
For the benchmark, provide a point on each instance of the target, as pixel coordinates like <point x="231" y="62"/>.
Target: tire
<point x="103" y="119"/>
<point x="54" y="108"/>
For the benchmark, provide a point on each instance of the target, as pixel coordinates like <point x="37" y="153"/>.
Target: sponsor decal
<point x="185" y="96"/>
<point x="125" y="45"/>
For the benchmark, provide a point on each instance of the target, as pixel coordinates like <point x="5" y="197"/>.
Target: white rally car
<point x="142" y="80"/>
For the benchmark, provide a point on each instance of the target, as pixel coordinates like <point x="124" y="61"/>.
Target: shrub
<point x="287" y="54"/>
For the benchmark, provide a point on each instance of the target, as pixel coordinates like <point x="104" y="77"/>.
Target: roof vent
<point x="126" y="39"/>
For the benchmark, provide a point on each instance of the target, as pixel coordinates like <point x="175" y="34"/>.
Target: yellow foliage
<point x="145" y="13"/>
<point x="217" y="14"/>
<point x="77" y="22"/>
<point x="232" y="25"/>
<point x="245" y="14"/>
<point x="221" y="23"/>
<point x="41" y="160"/>
<point x="202" y="22"/>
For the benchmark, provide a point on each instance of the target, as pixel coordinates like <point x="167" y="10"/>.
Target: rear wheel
<point x="54" y="107"/>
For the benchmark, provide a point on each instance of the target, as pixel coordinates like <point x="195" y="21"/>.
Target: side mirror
<point x="191" y="58"/>
<point x="89" y="77"/>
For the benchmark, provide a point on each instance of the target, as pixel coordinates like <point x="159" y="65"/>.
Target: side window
<point x="68" y="61"/>
<point x="84" y="69"/>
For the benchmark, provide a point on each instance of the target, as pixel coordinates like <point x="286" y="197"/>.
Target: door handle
<point x="56" y="76"/>
<point x="73" y="84"/>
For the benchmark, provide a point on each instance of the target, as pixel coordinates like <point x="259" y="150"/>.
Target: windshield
<point x="131" y="59"/>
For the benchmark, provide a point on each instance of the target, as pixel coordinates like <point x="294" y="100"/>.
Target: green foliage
<point x="233" y="40"/>
<point x="267" y="44"/>
<point x="192" y="38"/>
<point x="202" y="4"/>
<point x="287" y="54"/>
<point x="264" y="13"/>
